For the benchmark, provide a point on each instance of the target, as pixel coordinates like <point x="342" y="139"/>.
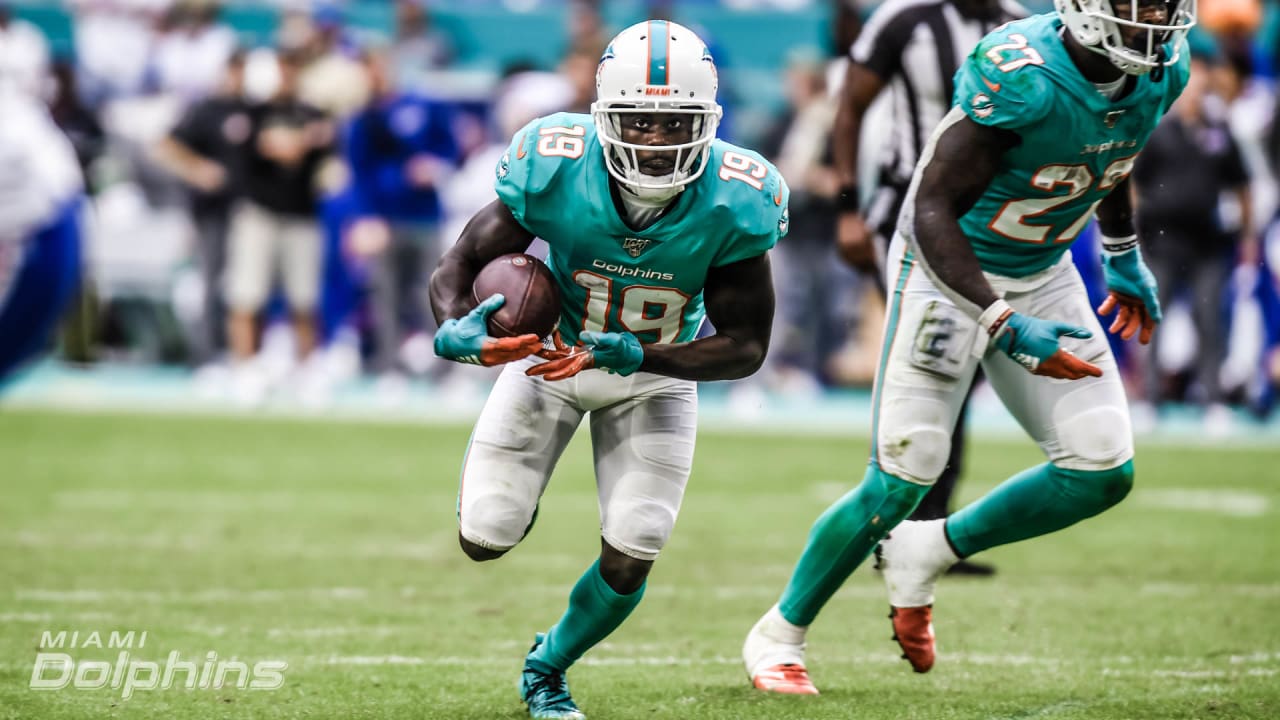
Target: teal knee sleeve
<point x="1104" y="488"/>
<point x="1036" y="502"/>
<point x="843" y="536"/>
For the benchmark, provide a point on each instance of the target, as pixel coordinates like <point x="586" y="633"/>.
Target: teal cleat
<point x="546" y="694"/>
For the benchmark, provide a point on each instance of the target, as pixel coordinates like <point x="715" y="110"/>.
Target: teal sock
<point x="1036" y="502"/>
<point x="842" y="537"/>
<point x="595" y="610"/>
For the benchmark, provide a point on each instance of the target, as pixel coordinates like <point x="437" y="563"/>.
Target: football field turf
<point x="331" y="547"/>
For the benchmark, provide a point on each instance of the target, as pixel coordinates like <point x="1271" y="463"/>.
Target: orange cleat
<point x="913" y="629"/>
<point x="789" y="679"/>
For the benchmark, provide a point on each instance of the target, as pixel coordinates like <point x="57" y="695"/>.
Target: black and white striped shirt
<point x="916" y="46"/>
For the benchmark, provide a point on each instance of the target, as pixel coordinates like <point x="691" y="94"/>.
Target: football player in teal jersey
<point x="1048" y="115"/>
<point x="652" y="224"/>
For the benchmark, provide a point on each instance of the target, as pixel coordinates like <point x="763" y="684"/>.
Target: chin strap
<point x="1157" y="73"/>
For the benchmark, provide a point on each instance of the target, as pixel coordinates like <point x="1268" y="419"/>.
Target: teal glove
<point x="1126" y="274"/>
<point x="467" y="340"/>
<point x="1030" y="341"/>
<point x="1033" y="343"/>
<point x="616" y="352"/>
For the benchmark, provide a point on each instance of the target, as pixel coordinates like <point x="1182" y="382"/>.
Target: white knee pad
<point x="1093" y="431"/>
<point x="493" y="520"/>
<point x="914" y="438"/>
<point x="638" y="530"/>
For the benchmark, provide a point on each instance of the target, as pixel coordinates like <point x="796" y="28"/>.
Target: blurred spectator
<point x="78" y="122"/>
<point x="274" y="228"/>
<point x="77" y="337"/>
<point x="40" y="206"/>
<point x="333" y="79"/>
<point x="1250" y="99"/>
<point x="400" y="150"/>
<point x="192" y="53"/>
<point x="24" y="53"/>
<point x="845" y="26"/>
<point x="205" y="150"/>
<point x="1181" y="178"/>
<point x="1234" y="22"/>
<point x="579" y="68"/>
<point x="587" y="32"/>
<point x="813" y="315"/>
<point x="418" y="46"/>
<point x="115" y="40"/>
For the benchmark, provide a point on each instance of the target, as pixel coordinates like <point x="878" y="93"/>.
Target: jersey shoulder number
<point x="1002" y="82"/>
<point x="542" y="153"/>
<point x="749" y="190"/>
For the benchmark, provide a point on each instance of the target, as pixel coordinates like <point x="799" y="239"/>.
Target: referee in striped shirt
<point x="912" y="47"/>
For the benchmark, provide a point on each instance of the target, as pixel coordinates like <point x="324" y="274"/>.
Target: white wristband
<point x="1115" y="245"/>
<point x="991" y="318"/>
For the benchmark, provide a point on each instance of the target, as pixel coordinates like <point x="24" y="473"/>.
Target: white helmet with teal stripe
<point x="656" y="67"/>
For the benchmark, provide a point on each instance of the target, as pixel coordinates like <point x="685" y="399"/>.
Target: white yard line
<point x="360" y="631"/>
<point x="205" y="501"/>
<point x="978" y="659"/>
<point x="164" y="542"/>
<point x="1176" y="589"/>
<point x="739" y="592"/>
<point x="176" y="596"/>
<point x="1219" y="501"/>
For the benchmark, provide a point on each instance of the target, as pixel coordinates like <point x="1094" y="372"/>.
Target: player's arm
<point x="964" y="162"/>
<point x="1131" y="288"/>
<point x="492" y="231"/>
<point x="1115" y="211"/>
<point x="739" y="302"/>
<point x="463" y="335"/>
<point x="861" y="86"/>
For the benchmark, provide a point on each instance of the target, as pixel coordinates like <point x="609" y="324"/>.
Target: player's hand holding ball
<point x="467" y="339"/>
<point x="1034" y="343"/>
<point x="618" y="353"/>
<point x="1131" y="288"/>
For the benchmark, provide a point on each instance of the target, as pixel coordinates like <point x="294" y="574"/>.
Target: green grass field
<point x="332" y="547"/>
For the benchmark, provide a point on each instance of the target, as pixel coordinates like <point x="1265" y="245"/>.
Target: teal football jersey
<point x="613" y="278"/>
<point x="1077" y="144"/>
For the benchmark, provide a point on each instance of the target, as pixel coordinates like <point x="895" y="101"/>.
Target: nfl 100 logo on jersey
<point x="634" y="245"/>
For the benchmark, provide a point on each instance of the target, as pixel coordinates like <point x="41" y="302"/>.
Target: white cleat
<point x="774" y="656"/>
<point x="911" y="559"/>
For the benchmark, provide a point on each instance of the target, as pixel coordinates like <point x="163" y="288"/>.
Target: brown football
<point x="533" y="301"/>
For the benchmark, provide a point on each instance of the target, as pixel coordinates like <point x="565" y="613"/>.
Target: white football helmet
<point x="1097" y="26"/>
<point x="659" y="67"/>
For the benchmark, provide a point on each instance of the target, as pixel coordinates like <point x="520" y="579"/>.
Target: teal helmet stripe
<point x="659" y="47"/>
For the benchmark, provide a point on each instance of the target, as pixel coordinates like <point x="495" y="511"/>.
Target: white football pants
<point x="932" y="350"/>
<point x="642" y="436"/>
